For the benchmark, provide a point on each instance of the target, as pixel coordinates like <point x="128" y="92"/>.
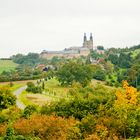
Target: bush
<point x="10" y="114"/>
<point x="87" y="125"/>
<point x="32" y="88"/>
<point x="7" y="99"/>
<point x="44" y="127"/>
<point x="99" y="75"/>
<point x="77" y="107"/>
<point x="30" y="109"/>
<point x="9" y="133"/>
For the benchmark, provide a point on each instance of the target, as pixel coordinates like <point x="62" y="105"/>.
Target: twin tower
<point x="88" y="43"/>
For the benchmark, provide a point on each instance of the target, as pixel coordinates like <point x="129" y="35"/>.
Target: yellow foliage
<point x="124" y="84"/>
<point x="93" y="136"/>
<point x="102" y="131"/>
<point x="129" y="96"/>
<point x="3" y="128"/>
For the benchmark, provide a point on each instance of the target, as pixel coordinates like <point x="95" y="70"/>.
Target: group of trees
<point x="122" y="60"/>
<point x="31" y="59"/>
<point x="92" y="113"/>
<point x="126" y="64"/>
<point x="74" y="71"/>
<point x="21" y="73"/>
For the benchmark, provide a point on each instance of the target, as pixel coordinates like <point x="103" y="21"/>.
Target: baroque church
<point x="72" y="52"/>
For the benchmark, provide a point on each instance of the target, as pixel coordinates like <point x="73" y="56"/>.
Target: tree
<point x="113" y="58"/>
<point x="31" y="87"/>
<point x="126" y="110"/>
<point x="95" y="55"/>
<point x="108" y="66"/>
<point x="9" y="133"/>
<point x="100" y="47"/>
<point x="7" y="99"/>
<point x="74" y="71"/>
<point x="132" y="76"/>
<point x="30" y="109"/>
<point x="125" y="60"/>
<point x="99" y="75"/>
<point x="31" y="59"/>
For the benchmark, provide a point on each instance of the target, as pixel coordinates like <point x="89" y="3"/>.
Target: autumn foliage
<point x="93" y="114"/>
<point x="45" y="127"/>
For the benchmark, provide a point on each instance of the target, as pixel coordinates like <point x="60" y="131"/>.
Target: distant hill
<point x="6" y="65"/>
<point x="136" y="47"/>
<point x="134" y="50"/>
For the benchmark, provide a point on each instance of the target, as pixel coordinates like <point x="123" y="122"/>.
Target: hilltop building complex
<point x="72" y="52"/>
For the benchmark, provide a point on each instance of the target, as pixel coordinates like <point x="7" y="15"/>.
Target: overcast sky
<point x="36" y="25"/>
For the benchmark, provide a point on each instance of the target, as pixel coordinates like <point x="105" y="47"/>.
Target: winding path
<point x="17" y="93"/>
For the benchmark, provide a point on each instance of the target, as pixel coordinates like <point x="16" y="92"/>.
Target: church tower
<point x="85" y="37"/>
<point x="91" y="42"/>
<point x="88" y="43"/>
<point x="85" y="43"/>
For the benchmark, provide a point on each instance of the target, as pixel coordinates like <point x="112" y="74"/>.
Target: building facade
<point x="72" y="52"/>
<point x="88" y="43"/>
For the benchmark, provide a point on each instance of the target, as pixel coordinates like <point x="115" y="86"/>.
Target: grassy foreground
<point x="53" y="91"/>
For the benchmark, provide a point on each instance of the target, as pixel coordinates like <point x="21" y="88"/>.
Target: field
<point x="53" y="91"/>
<point x="6" y="65"/>
<point x="16" y="84"/>
<point x="53" y="88"/>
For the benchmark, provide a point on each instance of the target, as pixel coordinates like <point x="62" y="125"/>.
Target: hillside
<point x="67" y="102"/>
<point x="6" y="65"/>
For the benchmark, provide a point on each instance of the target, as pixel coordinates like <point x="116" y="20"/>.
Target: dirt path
<point x="17" y="93"/>
<point x="15" y="82"/>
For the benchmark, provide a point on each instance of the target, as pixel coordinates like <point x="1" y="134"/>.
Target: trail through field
<point x="17" y="93"/>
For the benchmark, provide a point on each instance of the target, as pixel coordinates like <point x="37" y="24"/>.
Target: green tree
<point x="31" y="87"/>
<point x="99" y="75"/>
<point x="9" y="133"/>
<point x="113" y="58"/>
<point x="73" y="71"/>
<point x="30" y="109"/>
<point x="31" y="59"/>
<point x="7" y="99"/>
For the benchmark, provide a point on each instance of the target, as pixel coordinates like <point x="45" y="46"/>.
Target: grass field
<point x="6" y="65"/>
<point x="53" y="88"/>
<point x="34" y="99"/>
<point x="53" y="92"/>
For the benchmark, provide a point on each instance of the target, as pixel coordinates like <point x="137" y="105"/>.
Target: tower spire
<point x="91" y="38"/>
<point x="85" y="38"/>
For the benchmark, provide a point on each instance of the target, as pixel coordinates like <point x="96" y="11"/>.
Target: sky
<point x="36" y="25"/>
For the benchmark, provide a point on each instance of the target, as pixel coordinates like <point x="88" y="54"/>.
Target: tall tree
<point x="73" y="71"/>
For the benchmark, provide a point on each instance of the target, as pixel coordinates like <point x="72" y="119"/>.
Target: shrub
<point x="77" y="107"/>
<point x="32" y="88"/>
<point x="44" y="127"/>
<point x="7" y="99"/>
<point x="30" y="109"/>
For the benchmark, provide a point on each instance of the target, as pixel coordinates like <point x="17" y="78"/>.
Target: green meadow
<point x="6" y="65"/>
